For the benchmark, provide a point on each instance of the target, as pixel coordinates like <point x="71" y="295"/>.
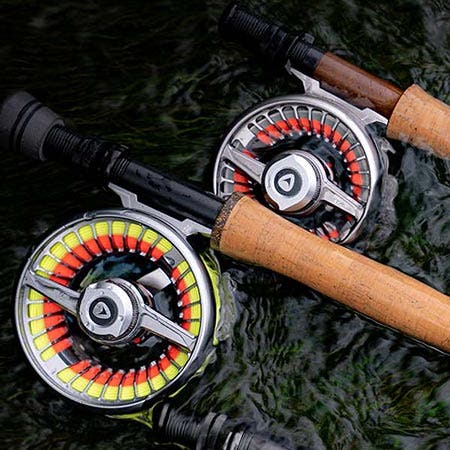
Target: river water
<point x="157" y="77"/>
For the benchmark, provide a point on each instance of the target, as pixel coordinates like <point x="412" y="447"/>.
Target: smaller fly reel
<point x="115" y="309"/>
<point x="310" y="157"/>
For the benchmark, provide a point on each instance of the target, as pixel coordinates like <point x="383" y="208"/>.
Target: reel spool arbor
<point x="311" y="157"/>
<point x="115" y="310"/>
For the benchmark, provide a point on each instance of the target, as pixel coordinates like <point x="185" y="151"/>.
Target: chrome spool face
<point x="309" y="157"/>
<point x="114" y="310"/>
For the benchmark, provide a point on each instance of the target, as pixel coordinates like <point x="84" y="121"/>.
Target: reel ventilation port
<point x="310" y="157"/>
<point x="114" y="310"/>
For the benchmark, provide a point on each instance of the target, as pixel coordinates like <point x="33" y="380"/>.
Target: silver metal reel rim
<point x="203" y="346"/>
<point x="345" y="113"/>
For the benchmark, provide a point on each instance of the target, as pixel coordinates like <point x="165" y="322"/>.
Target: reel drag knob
<point x="298" y="183"/>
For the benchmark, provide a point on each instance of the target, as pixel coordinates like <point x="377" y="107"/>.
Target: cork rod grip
<point x="421" y="120"/>
<point x="247" y="231"/>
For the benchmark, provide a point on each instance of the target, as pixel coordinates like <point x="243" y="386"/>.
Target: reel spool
<point x="115" y="310"/>
<point x="311" y="157"/>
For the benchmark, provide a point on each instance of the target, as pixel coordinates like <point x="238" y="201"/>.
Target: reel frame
<point x="44" y="328"/>
<point x="325" y="115"/>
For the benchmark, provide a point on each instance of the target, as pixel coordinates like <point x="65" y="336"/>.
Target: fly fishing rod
<point x="238" y="227"/>
<point x="117" y="310"/>
<point x="413" y="115"/>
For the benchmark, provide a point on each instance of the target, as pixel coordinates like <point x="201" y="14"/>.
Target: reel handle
<point x="247" y="231"/>
<point x="414" y="116"/>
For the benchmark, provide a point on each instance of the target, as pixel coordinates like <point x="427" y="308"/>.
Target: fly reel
<point x="311" y="157"/>
<point x="115" y="309"/>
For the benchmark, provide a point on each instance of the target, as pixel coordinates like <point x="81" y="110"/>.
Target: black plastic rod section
<point x="211" y="432"/>
<point x="29" y="127"/>
<point x="273" y="42"/>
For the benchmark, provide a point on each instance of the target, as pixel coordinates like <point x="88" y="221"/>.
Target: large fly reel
<point x="311" y="157"/>
<point x="115" y="309"/>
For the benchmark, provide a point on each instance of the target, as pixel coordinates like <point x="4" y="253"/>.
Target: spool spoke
<point x="335" y="196"/>
<point x="66" y="298"/>
<point x="165" y="328"/>
<point x="250" y="166"/>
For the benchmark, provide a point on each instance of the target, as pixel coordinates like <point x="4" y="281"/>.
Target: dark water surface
<point x="156" y="76"/>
